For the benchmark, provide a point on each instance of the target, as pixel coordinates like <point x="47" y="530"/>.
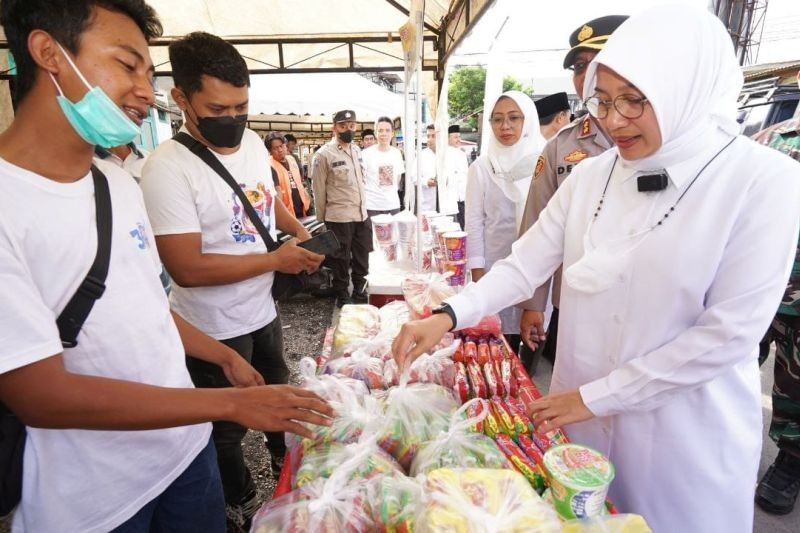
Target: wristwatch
<point x="446" y="309"/>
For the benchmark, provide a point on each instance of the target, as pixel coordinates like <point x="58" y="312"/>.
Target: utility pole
<point x="744" y="20"/>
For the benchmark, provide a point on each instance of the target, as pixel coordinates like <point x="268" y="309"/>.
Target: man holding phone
<point x="219" y="263"/>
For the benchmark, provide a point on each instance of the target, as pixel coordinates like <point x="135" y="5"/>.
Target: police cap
<point x="345" y="115"/>
<point x="592" y="36"/>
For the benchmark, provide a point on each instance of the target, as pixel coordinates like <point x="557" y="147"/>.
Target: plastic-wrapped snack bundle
<point x="414" y="414"/>
<point x="393" y="315"/>
<point x="480" y="500"/>
<point x="532" y="472"/>
<point x="423" y="292"/>
<point x="352" y="417"/>
<point x="322" y="506"/>
<point x="489" y="325"/>
<point x="460" y="446"/>
<point x="395" y="501"/>
<point x="362" y="460"/>
<point x="437" y="367"/>
<point x="332" y="388"/>
<point x="360" y="366"/>
<point x="356" y="323"/>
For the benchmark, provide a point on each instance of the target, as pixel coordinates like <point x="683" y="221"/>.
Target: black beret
<point x="592" y="35"/>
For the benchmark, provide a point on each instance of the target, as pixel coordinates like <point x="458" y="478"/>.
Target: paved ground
<point x="764" y="523"/>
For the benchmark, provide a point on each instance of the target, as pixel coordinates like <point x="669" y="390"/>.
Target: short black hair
<point x="65" y="21"/>
<point x="200" y="53"/>
<point x="289" y="137"/>
<point x="271" y="137"/>
<point x="430" y="127"/>
<point x="367" y="131"/>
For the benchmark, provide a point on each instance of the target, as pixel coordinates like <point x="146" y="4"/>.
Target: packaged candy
<point x="622" y="523"/>
<point x="488" y="326"/>
<point x="483" y="352"/>
<point x="470" y="348"/>
<point x="459" y="447"/>
<point x="491" y="426"/>
<point x="424" y="292"/>
<point x="477" y="410"/>
<point x="322" y="506"/>
<point x="395" y="501"/>
<point x="476" y="380"/>
<point x="541" y="440"/>
<point x="531" y="450"/>
<point x="493" y="385"/>
<point x="461" y="383"/>
<point x="503" y="417"/>
<point x="478" y="500"/>
<point x="361" y="460"/>
<point x="358" y="366"/>
<point x="437" y="367"/>
<point x="522" y="424"/>
<point x="414" y="414"/>
<point x="356" y="323"/>
<point x="525" y="466"/>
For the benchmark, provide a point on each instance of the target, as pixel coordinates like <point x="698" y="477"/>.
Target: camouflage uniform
<point x="785" y="328"/>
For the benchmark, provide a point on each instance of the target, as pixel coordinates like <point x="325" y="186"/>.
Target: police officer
<point x="338" y="181"/>
<point x="575" y="142"/>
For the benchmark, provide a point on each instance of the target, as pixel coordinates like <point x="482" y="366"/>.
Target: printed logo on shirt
<point x="242" y="229"/>
<point x="139" y="234"/>
<point x="386" y="176"/>
<point x="539" y="166"/>
<point x="575" y="156"/>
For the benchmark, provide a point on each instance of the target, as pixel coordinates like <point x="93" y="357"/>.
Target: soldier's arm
<point x="319" y="180"/>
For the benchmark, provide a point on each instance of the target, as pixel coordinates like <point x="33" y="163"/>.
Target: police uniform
<point x="580" y="139"/>
<point x="338" y="180"/>
<point x="784" y="427"/>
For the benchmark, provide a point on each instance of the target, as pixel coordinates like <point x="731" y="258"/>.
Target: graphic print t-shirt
<point x="383" y="173"/>
<point x="184" y="195"/>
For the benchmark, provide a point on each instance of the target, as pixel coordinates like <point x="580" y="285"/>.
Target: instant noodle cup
<point x="383" y="226"/>
<point x="389" y="252"/>
<point x="406" y="226"/>
<point x="455" y="245"/>
<point x="439" y="260"/>
<point x="459" y="270"/>
<point x="579" y="480"/>
<point x="426" y="220"/>
<point x="427" y="258"/>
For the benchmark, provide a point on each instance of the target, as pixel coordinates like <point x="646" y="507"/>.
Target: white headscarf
<point x="512" y="166"/>
<point x="692" y="80"/>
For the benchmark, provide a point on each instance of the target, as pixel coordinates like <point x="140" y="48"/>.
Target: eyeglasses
<point x="579" y="67"/>
<point x="629" y="106"/>
<point x="513" y="120"/>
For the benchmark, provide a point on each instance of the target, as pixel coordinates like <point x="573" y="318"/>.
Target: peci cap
<point x="346" y="115"/>
<point x="592" y="35"/>
<point x="552" y="104"/>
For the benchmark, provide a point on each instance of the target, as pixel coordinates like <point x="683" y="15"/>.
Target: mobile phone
<point x="325" y="243"/>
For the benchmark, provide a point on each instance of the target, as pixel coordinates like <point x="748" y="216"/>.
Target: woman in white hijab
<point x="670" y="281"/>
<point x="497" y="186"/>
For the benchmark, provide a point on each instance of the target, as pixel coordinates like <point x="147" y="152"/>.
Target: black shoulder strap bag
<point x="284" y="285"/>
<point x="69" y="322"/>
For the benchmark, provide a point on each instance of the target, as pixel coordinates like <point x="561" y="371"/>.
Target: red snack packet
<point x="525" y="466"/>
<point x="470" y="349"/>
<point x="505" y="419"/>
<point x="522" y="423"/>
<point x="531" y="450"/>
<point x="461" y="384"/>
<point x="476" y="380"/>
<point x="474" y="410"/>
<point x="483" y="352"/>
<point x="458" y="356"/>
<point x="493" y="385"/>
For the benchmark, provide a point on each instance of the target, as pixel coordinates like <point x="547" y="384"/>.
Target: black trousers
<point x="263" y="349"/>
<point x="356" y="244"/>
<point x="530" y="358"/>
<point x="460" y="216"/>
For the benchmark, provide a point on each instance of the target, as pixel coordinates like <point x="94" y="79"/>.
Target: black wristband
<point x="446" y="309"/>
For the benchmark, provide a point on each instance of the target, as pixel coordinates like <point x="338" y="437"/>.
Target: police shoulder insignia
<point x="585" y="33"/>
<point x="575" y="156"/>
<point x="539" y="166"/>
<point x="586" y="127"/>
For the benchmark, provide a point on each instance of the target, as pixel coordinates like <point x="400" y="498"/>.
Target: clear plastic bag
<point x="395" y="501"/>
<point x="424" y="292"/>
<point x="414" y="414"/>
<point x="481" y="500"/>
<point x="621" y="523"/>
<point x="321" y="506"/>
<point x="356" y="323"/>
<point x="489" y="325"/>
<point x="436" y="367"/>
<point x="393" y="316"/>
<point x="460" y="446"/>
<point x="359" y="365"/>
<point x="353" y="462"/>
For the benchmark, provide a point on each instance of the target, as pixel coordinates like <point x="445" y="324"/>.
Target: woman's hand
<point x="555" y="410"/>
<point x="419" y="336"/>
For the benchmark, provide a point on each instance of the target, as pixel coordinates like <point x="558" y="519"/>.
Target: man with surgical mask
<point x="579" y="140"/>
<point x="338" y="179"/>
<point x="219" y="263"/>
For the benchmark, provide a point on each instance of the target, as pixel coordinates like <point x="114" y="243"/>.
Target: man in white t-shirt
<point x="222" y="274"/>
<point x="384" y="167"/>
<point x="85" y="468"/>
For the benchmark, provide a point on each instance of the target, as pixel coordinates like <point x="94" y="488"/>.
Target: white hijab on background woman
<point x="512" y="166"/>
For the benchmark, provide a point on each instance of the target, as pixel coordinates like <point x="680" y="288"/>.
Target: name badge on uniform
<point x="338" y="163"/>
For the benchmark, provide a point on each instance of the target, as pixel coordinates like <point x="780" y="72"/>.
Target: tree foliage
<point x="465" y="97"/>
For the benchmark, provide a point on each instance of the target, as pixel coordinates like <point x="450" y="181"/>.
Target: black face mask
<point x="346" y="136"/>
<point x="225" y="132"/>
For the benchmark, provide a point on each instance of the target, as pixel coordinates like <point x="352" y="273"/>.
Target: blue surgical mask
<point x="96" y="118"/>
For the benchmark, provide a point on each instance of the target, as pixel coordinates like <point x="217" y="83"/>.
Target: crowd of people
<point x="673" y="236"/>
